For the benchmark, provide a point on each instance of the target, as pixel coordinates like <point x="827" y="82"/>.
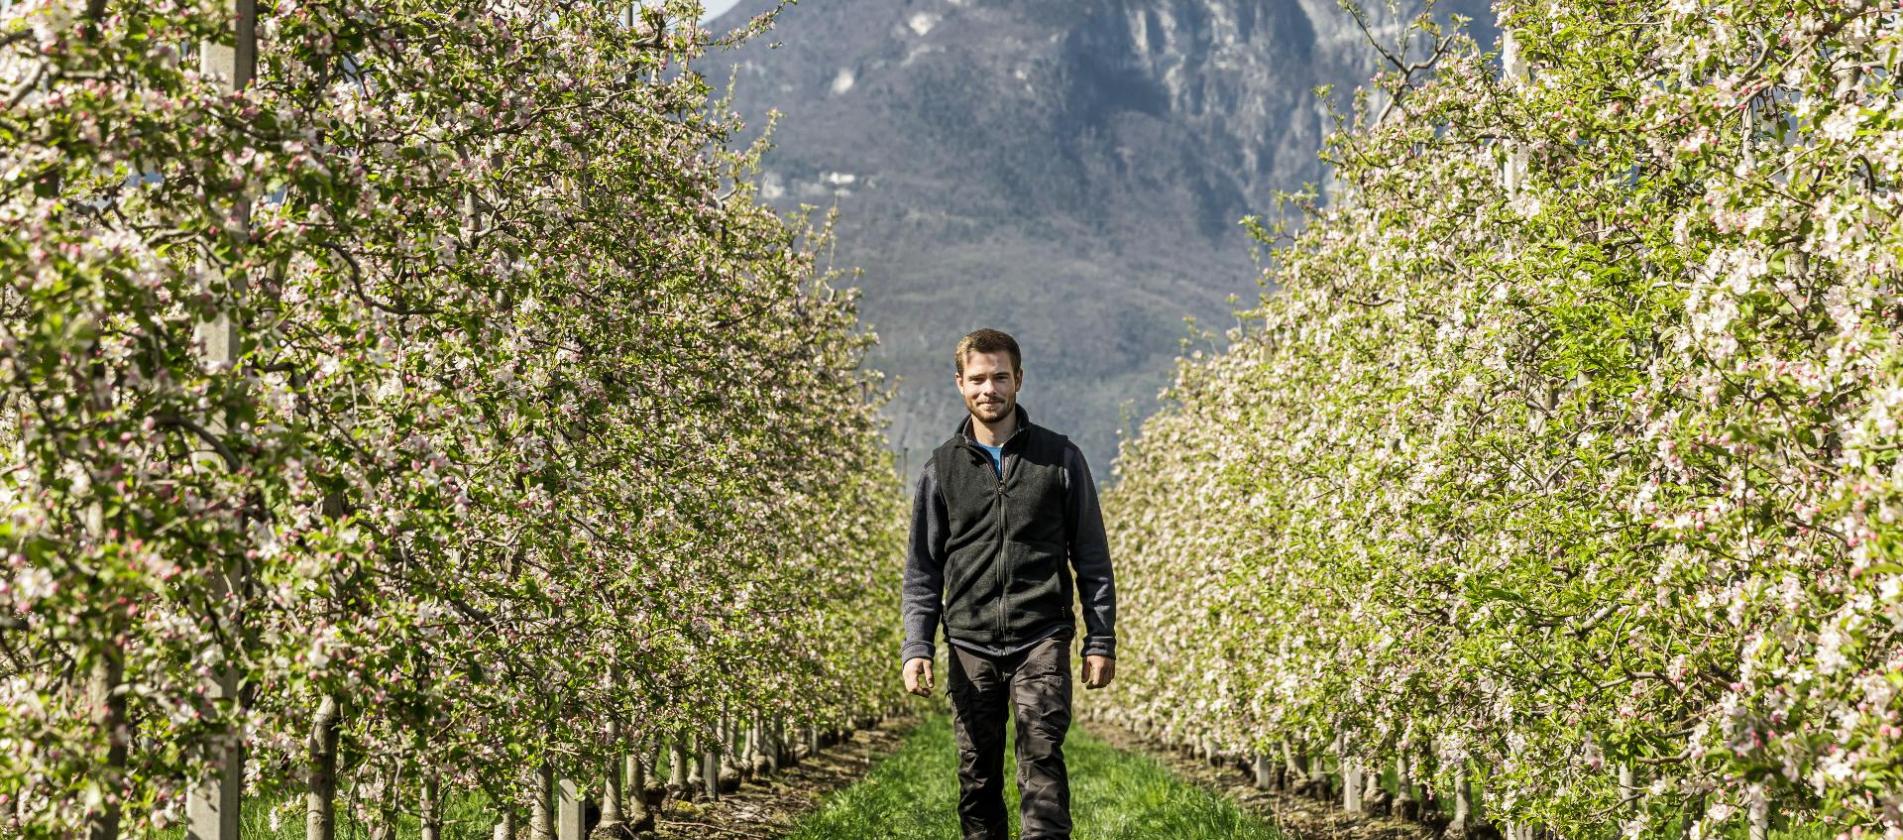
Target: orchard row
<point x="409" y="396"/>
<point x="1557" y="481"/>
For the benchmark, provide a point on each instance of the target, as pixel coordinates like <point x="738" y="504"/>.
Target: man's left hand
<point x="1098" y="670"/>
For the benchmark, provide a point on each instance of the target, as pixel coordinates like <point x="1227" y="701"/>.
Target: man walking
<point x="1001" y="510"/>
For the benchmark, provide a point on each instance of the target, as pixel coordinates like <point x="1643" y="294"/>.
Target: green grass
<point x="914" y="794"/>
<point x="1114" y="795"/>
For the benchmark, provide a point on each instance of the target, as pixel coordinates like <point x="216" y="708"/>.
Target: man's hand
<point x="918" y="676"/>
<point x="1098" y="670"/>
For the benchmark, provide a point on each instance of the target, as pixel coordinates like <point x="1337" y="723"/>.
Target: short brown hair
<point x="987" y="341"/>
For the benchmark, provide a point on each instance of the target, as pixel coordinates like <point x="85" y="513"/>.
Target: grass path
<point x="1114" y="795"/>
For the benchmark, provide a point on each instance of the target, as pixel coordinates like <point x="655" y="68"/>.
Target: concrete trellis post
<point x="1517" y="74"/>
<point x="1628" y="793"/>
<point x="212" y="805"/>
<point x="612" y="790"/>
<point x="1351" y="784"/>
<point x="569" y="818"/>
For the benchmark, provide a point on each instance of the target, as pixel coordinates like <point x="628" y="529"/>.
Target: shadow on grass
<point x="1115" y="795"/>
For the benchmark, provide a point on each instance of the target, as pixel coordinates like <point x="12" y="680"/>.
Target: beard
<point x="994" y="412"/>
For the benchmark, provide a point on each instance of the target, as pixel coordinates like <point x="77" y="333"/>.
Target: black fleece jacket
<point x="991" y="558"/>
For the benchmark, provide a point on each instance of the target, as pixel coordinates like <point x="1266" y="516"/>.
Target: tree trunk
<point x="383" y="819"/>
<point x="757" y="748"/>
<point x="611" y="789"/>
<point x="1426" y="771"/>
<point x="691" y="759"/>
<point x="320" y="780"/>
<point x="1465" y="817"/>
<point x="1293" y="776"/>
<point x="636" y="814"/>
<point x="782" y="755"/>
<point x="1694" y="809"/>
<point x="732" y="753"/>
<point x="541" y="809"/>
<point x="1628" y="789"/>
<point x="505" y="823"/>
<point x="677" y="781"/>
<point x="431" y="815"/>
<point x="1264" y="771"/>
<point x="1758" y="812"/>
<point x="657" y="784"/>
<point x="1405" y="805"/>
<point x="109" y="716"/>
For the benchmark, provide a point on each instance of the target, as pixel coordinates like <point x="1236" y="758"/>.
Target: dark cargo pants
<point x="1034" y="685"/>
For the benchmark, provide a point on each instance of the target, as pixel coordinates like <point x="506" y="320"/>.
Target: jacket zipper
<point x="1004" y="544"/>
<point x="1004" y="472"/>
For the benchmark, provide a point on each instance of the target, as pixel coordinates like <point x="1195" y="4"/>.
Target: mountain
<point x="1069" y="171"/>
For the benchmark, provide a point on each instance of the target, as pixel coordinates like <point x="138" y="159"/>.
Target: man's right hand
<point x="918" y="676"/>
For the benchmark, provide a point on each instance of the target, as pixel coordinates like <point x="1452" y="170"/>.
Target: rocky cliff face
<point x="1071" y="171"/>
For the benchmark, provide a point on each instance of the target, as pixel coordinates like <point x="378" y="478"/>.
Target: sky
<point x="715" y="7"/>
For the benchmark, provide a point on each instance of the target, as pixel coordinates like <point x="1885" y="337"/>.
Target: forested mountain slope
<point x="1072" y="172"/>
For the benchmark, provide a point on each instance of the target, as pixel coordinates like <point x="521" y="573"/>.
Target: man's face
<point x="989" y="385"/>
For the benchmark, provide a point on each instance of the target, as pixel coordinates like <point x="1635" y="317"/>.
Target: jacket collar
<point x="1024" y="422"/>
